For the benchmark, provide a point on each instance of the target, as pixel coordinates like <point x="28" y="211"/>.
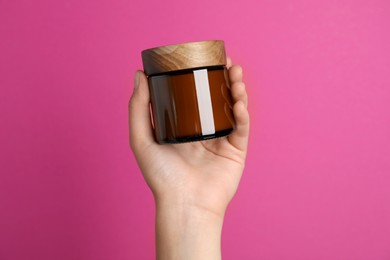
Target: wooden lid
<point x="183" y="56"/>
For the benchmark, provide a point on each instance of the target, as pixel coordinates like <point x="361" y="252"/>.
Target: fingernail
<point x="136" y="79"/>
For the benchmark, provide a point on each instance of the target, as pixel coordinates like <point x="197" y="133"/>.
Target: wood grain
<point x="183" y="56"/>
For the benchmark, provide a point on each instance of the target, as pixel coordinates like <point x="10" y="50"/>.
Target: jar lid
<point x="184" y="56"/>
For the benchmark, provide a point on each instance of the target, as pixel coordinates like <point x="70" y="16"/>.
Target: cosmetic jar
<point x="189" y="91"/>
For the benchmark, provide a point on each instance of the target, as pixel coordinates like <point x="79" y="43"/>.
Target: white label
<point x="204" y="101"/>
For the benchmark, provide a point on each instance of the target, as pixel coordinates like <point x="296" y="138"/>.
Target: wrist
<point x="186" y="231"/>
<point x="192" y="203"/>
<point x="186" y="211"/>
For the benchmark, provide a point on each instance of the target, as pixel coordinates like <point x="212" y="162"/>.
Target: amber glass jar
<point x="189" y="91"/>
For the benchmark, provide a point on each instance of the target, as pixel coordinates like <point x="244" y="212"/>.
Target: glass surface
<point x="191" y="105"/>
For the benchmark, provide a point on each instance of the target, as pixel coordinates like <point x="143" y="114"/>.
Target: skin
<point x="192" y="183"/>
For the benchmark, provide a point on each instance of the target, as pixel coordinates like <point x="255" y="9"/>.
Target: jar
<point x="189" y="91"/>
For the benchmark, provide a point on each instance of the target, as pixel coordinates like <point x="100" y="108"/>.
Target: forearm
<point x="187" y="232"/>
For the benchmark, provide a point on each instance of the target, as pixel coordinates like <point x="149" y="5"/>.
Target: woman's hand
<point x="192" y="183"/>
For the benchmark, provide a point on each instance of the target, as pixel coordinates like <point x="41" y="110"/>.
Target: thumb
<point x="140" y="126"/>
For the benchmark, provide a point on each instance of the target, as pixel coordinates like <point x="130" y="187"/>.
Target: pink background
<point x="317" y="181"/>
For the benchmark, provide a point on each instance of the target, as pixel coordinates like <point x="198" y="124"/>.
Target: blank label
<point x="204" y="101"/>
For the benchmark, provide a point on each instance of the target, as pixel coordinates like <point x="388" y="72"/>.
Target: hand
<point x="192" y="183"/>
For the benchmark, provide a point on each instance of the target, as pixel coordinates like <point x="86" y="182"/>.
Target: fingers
<point x="235" y="73"/>
<point x="239" y="93"/>
<point x="239" y="137"/>
<point x="228" y="62"/>
<point x="139" y="113"/>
